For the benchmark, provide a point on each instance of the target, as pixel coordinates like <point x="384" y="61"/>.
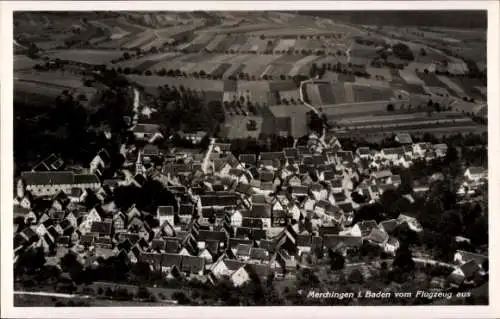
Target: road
<point x="49" y="294"/>
<point x="207" y="156"/>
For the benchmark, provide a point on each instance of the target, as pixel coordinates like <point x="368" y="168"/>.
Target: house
<point x="186" y="212"/>
<point x="391" y="246"/>
<point x="377" y="237"/>
<point x="363" y="152"/>
<point x="461" y="257"/>
<point x="77" y="195"/>
<point x="392" y="154"/>
<point x="146" y="132"/>
<point x="242" y="251"/>
<point x="475" y="173"/>
<point x="87" y="220"/>
<point x="389" y="225"/>
<point x="248" y="159"/>
<point x="419" y="149"/>
<point x="236" y="218"/>
<point x="279" y="218"/>
<point x="193" y="137"/>
<point x="103" y="229"/>
<point x="366" y="226"/>
<point x="465" y="272"/>
<point x="50" y="163"/>
<point x="100" y="162"/>
<point x="118" y="221"/>
<point x="440" y="149"/>
<point x="403" y="138"/>
<point x="46" y="183"/>
<point x="412" y="222"/>
<point x="165" y="214"/>
<point x="240" y="277"/>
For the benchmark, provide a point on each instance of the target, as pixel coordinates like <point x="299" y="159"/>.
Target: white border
<point x="7" y="309"/>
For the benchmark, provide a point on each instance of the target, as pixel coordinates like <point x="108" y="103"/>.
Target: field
<point x="22" y="62"/>
<point x="253" y="57"/>
<point x="86" y="56"/>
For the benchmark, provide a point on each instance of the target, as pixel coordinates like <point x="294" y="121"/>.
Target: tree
<point x="390" y="107"/>
<point x="356" y="277"/>
<point x="403" y="259"/>
<point x="337" y="261"/>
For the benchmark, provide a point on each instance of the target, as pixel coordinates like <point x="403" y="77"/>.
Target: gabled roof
<point x="291" y="152"/>
<point x="404" y="138"/>
<point x="261" y="211"/>
<point x="324" y="230"/>
<point x="192" y="264"/>
<point x="170" y="260"/>
<point x="228" y="200"/>
<point x="468" y="256"/>
<point x="186" y="209"/>
<point x="259" y="254"/>
<point x="363" y="150"/>
<point x="233" y="264"/>
<point x="304" y="240"/>
<point x="48" y="178"/>
<point x="86" y="179"/>
<point x="234" y="242"/>
<point x="252" y="222"/>
<point x="389" y="225"/>
<point x="377" y="236"/>
<point x="243" y="250"/>
<point x="165" y="210"/>
<point x="205" y="235"/>
<point x="366" y="226"/>
<point x="172" y="246"/>
<point x="146" y="128"/>
<point x="248" y="158"/>
<point x="469" y="268"/>
<point x="223" y="147"/>
<point x="158" y="244"/>
<point x="101" y="228"/>
<point x="474" y="170"/>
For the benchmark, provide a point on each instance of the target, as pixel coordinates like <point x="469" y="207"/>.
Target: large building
<point x="51" y="183"/>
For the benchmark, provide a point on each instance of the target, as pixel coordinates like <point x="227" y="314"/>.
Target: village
<point x="237" y="218"/>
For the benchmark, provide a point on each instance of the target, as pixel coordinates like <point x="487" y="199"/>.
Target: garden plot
<point x="150" y="60"/>
<point x="198" y="43"/>
<point x="220" y="69"/>
<point x="287" y="59"/>
<point x="154" y="81"/>
<point x="312" y="94"/>
<point x="383" y="73"/>
<point x="430" y="79"/>
<point x="215" y="42"/>
<point x="363" y="51"/>
<point x="236" y="45"/>
<point x="364" y="93"/>
<point x="349" y="93"/>
<point x="289" y="95"/>
<point x="452" y="85"/>
<point x="277" y="70"/>
<point x="372" y="82"/>
<point x="284" y="45"/>
<point x="410" y="77"/>
<point x="234" y="70"/>
<point x="326" y="94"/>
<point x="258" y="65"/>
<point x="286" y="85"/>
<point x="87" y="56"/>
<point x="257" y="91"/>
<point x="254" y="45"/>
<point x="23" y="62"/>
